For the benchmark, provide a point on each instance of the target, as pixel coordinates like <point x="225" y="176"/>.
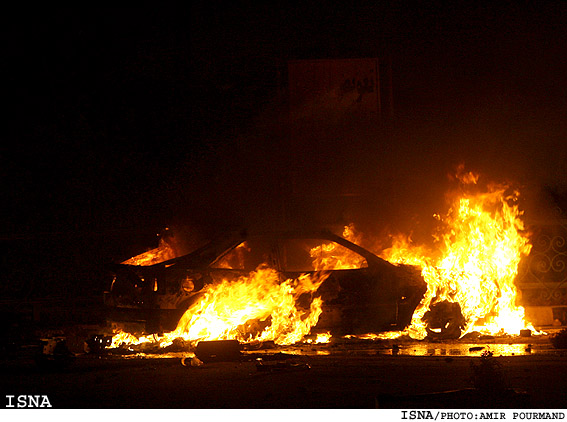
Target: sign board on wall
<point x="337" y="86"/>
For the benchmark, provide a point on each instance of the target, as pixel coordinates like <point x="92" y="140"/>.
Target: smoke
<point x="383" y="175"/>
<point x="471" y="85"/>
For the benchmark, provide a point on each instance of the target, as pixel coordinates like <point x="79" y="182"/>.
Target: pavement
<point x="346" y="374"/>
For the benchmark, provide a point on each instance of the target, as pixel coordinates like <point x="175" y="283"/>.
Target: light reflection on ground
<point x="498" y="346"/>
<point x="424" y="349"/>
<point x="169" y="355"/>
<point x="407" y="349"/>
<point x="464" y="350"/>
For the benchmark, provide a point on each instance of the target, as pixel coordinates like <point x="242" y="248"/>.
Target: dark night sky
<point x="123" y="121"/>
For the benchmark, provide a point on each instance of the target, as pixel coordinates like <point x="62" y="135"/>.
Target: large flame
<point x="478" y="247"/>
<point x="478" y="251"/>
<point x="257" y="307"/>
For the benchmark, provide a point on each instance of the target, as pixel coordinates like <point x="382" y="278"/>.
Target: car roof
<point x="222" y="244"/>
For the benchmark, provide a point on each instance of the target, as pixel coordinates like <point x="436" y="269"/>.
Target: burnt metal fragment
<point x="525" y="333"/>
<point x="218" y="350"/>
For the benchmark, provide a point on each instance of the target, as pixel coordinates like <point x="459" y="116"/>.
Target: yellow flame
<point x="232" y="310"/>
<point x="258" y="307"/>
<point x="124" y="338"/>
<point x="332" y="256"/>
<point x="476" y="262"/>
<point x="479" y="244"/>
<point x="323" y="338"/>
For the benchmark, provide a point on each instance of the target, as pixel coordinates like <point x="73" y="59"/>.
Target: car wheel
<point x="444" y="321"/>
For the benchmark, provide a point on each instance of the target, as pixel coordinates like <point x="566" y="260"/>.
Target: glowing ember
<point x="475" y="264"/>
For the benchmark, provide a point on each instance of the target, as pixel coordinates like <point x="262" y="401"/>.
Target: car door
<point x="357" y="297"/>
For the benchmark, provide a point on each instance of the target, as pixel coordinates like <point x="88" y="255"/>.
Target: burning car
<point x="283" y="286"/>
<point x="337" y="285"/>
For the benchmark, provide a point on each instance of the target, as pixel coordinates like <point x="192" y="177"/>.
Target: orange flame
<point x="162" y="253"/>
<point x="233" y="310"/>
<point x="332" y="256"/>
<point x="476" y="263"/>
<point x="257" y="307"/>
<point x="479" y="245"/>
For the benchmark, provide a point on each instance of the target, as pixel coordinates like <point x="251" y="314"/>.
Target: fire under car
<point x="362" y="293"/>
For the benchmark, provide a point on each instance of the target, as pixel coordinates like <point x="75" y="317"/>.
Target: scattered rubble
<point x="54" y="354"/>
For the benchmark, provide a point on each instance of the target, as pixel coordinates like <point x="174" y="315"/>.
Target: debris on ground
<point x="194" y="362"/>
<point x="97" y="344"/>
<point x="54" y="354"/>
<point x="218" y="350"/>
<point x="287" y="366"/>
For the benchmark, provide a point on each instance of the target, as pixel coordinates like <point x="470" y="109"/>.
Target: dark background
<point x="123" y="121"/>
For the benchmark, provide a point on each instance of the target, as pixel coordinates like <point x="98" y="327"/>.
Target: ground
<point x="323" y="377"/>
